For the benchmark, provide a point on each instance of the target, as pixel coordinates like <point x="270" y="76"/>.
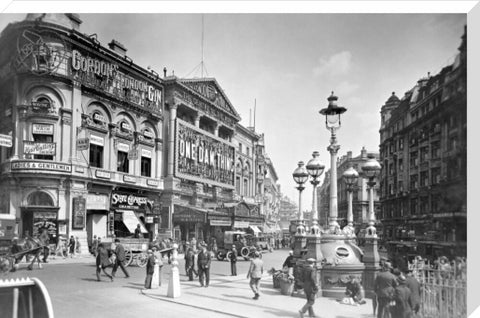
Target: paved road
<point x="76" y="293"/>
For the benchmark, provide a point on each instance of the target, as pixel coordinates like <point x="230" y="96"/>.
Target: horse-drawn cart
<point x="27" y="247"/>
<point x="135" y="250"/>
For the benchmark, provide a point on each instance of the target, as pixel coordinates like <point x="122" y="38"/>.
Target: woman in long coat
<point x="103" y="261"/>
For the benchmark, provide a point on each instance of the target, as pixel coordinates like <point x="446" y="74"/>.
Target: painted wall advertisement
<point x="38" y="148"/>
<point x="203" y="158"/>
<point x="79" y="213"/>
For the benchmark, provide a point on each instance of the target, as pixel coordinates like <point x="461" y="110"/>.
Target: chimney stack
<point x="117" y="47"/>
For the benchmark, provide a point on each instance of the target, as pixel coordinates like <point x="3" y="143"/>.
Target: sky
<point x="288" y="64"/>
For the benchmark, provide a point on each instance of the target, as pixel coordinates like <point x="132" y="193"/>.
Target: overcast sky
<point x="290" y="63"/>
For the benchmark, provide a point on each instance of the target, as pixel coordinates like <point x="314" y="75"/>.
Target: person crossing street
<point x="204" y="260"/>
<point x="255" y="274"/>
<point x="120" y="259"/>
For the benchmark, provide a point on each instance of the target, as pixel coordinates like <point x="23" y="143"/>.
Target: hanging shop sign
<point x="79" y="213"/>
<point x="42" y="129"/>
<point x="107" y="77"/>
<point x="220" y="222"/>
<point x="39" y="165"/>
<point x="133" y="154"/>
<point x="203" y="158"/>
<point x="241" y="224"/>
<point x="185" y="214"/>
<point x="5" y="140"/>
<point x="38" y="148"/>
<point x="122" y="200"/>
<point x="83" y="144"/>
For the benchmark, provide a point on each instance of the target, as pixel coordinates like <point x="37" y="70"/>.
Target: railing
<point x="443" y="290"/>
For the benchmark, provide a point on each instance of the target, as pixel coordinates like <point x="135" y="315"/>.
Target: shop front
<point x="98" y="206"/>
<point x="39" y="213"/>
<point x="189" y="222"/>
<point x="129" y="210"/>
<point x="219" y="222"/>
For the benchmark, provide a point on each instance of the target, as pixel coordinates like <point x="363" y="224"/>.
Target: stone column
<point x="171" y="141"/>
<point x="333" y="149"/>
<point x="174" y="281"/>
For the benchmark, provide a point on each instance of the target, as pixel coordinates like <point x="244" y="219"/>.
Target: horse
<point x="29" y="247"/>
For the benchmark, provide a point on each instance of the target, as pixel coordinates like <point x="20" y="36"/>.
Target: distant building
<point x="423" y="152"/>
<point x="360" y="193"/>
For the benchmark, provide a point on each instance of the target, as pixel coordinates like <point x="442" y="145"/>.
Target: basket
<point x="286" y="287"/>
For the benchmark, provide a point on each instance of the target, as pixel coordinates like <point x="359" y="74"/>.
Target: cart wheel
<point x="220" y="256"/>
<point x="244" y="251"/>
<point x="229" y="256"/>
<point x="141" y="259"/>
<point x="128" y="257"/>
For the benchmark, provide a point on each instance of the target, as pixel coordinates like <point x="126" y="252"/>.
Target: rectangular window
<point x="400" y="164"/>
<point x="424" y="178"/>
<point x="240" y="148"/>
<point x="146" y="167"/>
<point x="122" y="162"/>
<point x="413" y="207"/>
<point x="248" y="151"/>
<point x="96" y="156"/>
<point x="43" y="138"/>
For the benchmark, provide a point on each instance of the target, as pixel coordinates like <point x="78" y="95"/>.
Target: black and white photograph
<point x="237" y="159"/>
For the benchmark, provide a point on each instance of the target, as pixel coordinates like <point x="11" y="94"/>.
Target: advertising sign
<point x="39" y="165"/>
<point x="133" y="154"/>
<point x="83" y="144"/>
<point x="79" y="213"/>
<point x="128" y="201"/>
<point x="203" y="158"/>
<point x="38" y="148"/>
<point x="5" y="140"/>
<point x="42" y="129"/>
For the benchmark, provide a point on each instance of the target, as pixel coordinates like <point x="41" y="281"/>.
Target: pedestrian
<point x="193" y="244"/>
<point x="289" y="263"/>
<point x="45" y="241"/>
<point x="355" y="291"/>
<point x="204" y="260"/>
<point x="233" y="260"/>
<point x="159" y="262"/>
<point x="93" y="249"/>
<point x="138" y="232"/>
<point x="255" y="274"/>
<point x="403" y="300"/>
<point x="384" y="288"/>
<point x="150" y="269"/>
<point x="310" y="288"/>
<point x="71" y="246"/>
<point x="414" y="285"/>
<point x="103" y="261"/>
<point x="77" y="245"/>
<point x="190" y="262"/>
<point x="119" y="259"/>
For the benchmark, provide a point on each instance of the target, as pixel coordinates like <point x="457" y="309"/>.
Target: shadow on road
<point x="236" y="296"/>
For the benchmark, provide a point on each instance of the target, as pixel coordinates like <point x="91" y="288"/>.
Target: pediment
<point x="210" y="90"/>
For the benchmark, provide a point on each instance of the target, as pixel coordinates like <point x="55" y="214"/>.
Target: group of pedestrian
<point x="104" y="260"/>
<point x="397" y="292"/>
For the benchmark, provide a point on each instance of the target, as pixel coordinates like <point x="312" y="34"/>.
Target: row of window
<point x="123" y="163"/>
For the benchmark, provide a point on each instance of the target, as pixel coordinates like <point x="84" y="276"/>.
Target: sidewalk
<point x="232" y="296"/>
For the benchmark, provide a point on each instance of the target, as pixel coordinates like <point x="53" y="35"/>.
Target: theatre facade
<point x="85" y="125"/>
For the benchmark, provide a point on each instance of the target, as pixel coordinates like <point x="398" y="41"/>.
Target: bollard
<point x="174" y="281"/>
<point x="155" y="277"/>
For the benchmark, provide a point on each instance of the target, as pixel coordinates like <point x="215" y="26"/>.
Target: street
<point x="76" y="293"/>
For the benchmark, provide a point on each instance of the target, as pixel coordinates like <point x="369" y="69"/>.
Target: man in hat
<point x="233" y="260"/>
<point x="354" y="290"/>
<point x="150" y="269"/>
<point x="403" y="299"/>
<point x="119" y="259"/>
<point x="414" y="286"/>
<point x="384" y="288"/>
<point x="289" y="263"/>
<point x="103" y="261"/>
<point x="190" y="262"/>
<point x="310" y="287"/>
<point x="255" y="273"/>
<point x="203" y="263"/>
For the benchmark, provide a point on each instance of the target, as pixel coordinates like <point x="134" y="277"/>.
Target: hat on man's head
<point x="401" y="278"/>
<point x="117" y="240"/>
<point x="311" y="260"/>
<point x="257" y="254"/>
<point x="396" y="272"/>
<point x="290" y="253"/>
<point x="149" y="251"/>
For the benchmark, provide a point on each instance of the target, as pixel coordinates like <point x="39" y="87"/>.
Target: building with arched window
<point x="86" y="126"/>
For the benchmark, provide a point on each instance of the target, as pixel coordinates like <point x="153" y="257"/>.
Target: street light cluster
<point x="314" y="169"/>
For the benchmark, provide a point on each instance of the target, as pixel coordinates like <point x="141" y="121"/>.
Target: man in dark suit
<point x="310" y="287"/>
<point x="190" y="262"/>
<point x="403" y="300"/>
<point x="384" y="288"/>
<point x="414" y="286"/>
<point x="203" y="263"/>
<point x="120" y="258"/>
<point x="45" y="240"/>
<point x="233" y="260"/>
<point x="103" y="261"/>
<point x="150" y="269"/>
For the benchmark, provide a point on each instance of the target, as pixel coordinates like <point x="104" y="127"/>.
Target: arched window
<point x="39" y="199"/>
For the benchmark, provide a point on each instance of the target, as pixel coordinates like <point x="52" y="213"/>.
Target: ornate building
<point x="86" y="127"/>
<point x="423" y="154"/>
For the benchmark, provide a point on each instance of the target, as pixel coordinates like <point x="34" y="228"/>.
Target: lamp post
<point x="332" y="122"/>
<point x="371" y="170"/>
<point x="351" y="177"/>
<point x="300" y="176"/>
<point x="315" y="169"/>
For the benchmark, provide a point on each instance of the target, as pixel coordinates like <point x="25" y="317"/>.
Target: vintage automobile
<point x="243" y="242"/>
<point x="263" y="243"/>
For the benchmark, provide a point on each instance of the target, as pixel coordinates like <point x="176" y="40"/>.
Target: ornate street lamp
<point x="332" y="122"/>
<point x="300" y="176"/>
<point x="315" y="169"/>
<point x="371" y="170"/>
<point x="351" y="177"/>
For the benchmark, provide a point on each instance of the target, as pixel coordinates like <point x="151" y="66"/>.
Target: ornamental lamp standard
<point x="300" y="176"/>
<point x="371" y="170"/>
<point x="350" y="176"/>
<point x="315" y="169"/>
<point x="332" y="122"/>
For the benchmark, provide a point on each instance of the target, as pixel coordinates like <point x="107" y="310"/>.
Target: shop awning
<point x="130" y="219"/>
<point x="255" y="229"/>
